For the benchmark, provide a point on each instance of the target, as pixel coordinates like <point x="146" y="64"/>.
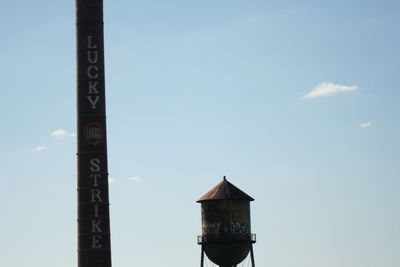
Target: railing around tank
<point x="202" y="239"/>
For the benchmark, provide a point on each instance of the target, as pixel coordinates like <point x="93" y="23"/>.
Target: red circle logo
<point x="93" y="133"/>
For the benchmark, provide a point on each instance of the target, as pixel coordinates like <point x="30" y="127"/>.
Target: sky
<point x="296" y="102"/>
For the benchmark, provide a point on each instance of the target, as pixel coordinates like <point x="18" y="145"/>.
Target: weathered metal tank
<point x="226" y="229"/>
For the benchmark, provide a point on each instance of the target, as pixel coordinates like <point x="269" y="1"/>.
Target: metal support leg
<point x="202" y="257"/>
<point x="253" y="264"/>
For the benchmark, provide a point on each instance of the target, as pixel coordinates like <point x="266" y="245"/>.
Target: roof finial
<point x="224" y="178"/>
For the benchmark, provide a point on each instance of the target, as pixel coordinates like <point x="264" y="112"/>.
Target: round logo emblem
<point x="93" y="133"/>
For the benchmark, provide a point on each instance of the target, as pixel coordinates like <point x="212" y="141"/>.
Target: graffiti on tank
<point x="240" y="227"/>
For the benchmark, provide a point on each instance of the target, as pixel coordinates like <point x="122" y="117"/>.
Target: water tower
<point x="226" y="233"/>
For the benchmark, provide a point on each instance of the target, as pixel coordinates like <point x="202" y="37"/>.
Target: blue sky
<point x="296" y="102"/>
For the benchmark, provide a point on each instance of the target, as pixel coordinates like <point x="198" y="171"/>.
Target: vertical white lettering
<point x="96" y="241"/>
<point x="96" y="226"/>
<point x="96" y="211"/>
<point x="95" y="195"/>
<point x="95" y="179"/>
<point x="93" y="97"/>
<point x="95" y="165"/>
<point x="93" y="56"/>
<point x="90" y="73"/>
<point x="92" y="87"/>
<point x="93" y="101"/>
<point x="90" y="45"/>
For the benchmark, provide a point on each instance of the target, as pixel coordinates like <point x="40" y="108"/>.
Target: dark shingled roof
<point x="225" y="190"/>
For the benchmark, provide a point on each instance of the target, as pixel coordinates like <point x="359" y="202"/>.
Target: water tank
<point x="226" y="229"/>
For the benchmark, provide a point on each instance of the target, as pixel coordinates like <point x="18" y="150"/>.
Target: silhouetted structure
<point x="226" y="232"/>
<point x="93" y="205"/>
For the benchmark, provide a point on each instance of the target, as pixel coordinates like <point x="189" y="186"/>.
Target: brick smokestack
<point x="93" y="204"/>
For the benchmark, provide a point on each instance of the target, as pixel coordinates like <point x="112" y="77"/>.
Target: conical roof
<point x="225" y="190"/>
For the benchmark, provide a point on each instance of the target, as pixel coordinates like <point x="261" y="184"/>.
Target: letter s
<point x="95" y="165"/>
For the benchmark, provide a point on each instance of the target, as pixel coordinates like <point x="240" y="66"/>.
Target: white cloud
<point x="365" y="124"/>
<point x="111" y="180"/>
<point x="328" y="89"/>
<point x="61" y="133"/>
<point x="136" y="179"/>
<point x="41" y="148"/>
